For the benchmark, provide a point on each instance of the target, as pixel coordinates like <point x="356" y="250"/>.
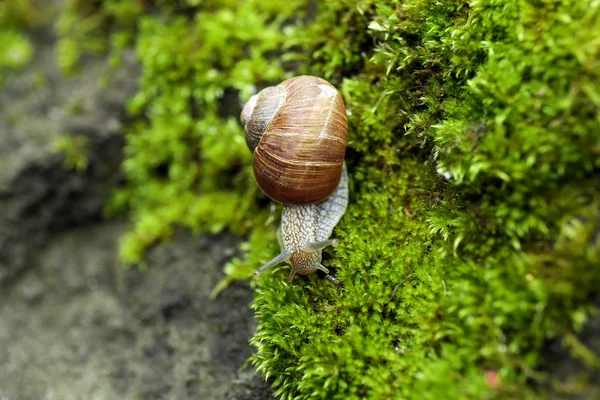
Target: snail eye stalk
<point x="316" y="246"/>
<point x="279" y="259"/>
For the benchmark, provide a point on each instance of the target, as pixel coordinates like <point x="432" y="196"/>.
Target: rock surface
<point x="79" y="325"/>
<point x="74" y="323"/>
<point x="38" y="195"/>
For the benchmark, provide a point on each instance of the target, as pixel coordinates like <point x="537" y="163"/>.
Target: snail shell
<point x="298" y="132"/>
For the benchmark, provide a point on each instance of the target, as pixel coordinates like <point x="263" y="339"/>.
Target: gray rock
<point x="249" y="385"/>
<point x="80" y="325"/>
<point x="74" y="322"/>
<point x="37" y="193"/>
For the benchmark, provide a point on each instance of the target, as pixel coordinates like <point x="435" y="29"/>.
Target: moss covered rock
<point x="471" y="239"/>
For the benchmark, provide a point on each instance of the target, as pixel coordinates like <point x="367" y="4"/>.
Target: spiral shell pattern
<point x="298" y="131"/>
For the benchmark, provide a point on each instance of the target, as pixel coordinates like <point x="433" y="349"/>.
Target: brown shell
<point x="300" y="155"/>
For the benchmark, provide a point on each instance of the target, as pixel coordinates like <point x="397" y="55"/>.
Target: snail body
<point x="298" y="133"/>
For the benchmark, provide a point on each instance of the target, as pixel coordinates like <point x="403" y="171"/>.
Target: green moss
<point x="471" y="238"/>
<point x="188" y="163"/>
<point x="15" y="48"/>
<point x="74" y="149"/>
<point x="95" y="27"/>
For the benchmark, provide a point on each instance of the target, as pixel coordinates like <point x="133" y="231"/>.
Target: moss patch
<point x="188" y="163"/>
<point x="471" y="238"/>
<point x="15" y="48"/>
<point x="472" y="233"/>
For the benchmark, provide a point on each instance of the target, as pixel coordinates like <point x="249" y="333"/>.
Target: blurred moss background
<point x="472" y="236"/>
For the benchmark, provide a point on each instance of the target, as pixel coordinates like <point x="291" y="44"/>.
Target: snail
<point x="298" y="133"/>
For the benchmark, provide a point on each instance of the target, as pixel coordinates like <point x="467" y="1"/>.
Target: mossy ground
<point x="471" y="238"/>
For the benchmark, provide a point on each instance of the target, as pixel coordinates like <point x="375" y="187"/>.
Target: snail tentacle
<point x="316" y="246"/>
<point x="291" y="275"/>
<point x="332" y="280"/>
<point x="322" y="267"/>
<point x="279" y="259"/>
